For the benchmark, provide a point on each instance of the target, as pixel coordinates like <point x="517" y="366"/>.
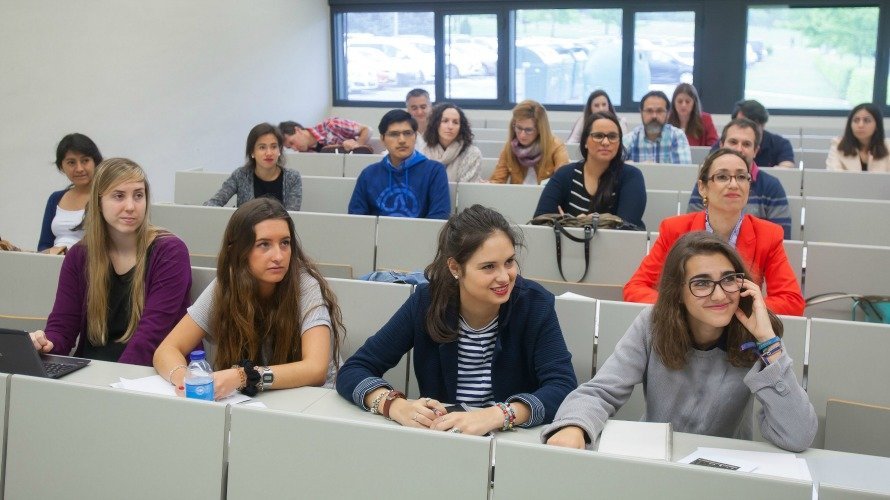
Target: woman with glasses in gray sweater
<point x="704" y="351"/>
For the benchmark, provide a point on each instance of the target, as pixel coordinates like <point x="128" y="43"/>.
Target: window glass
<point x="811" y="58"/>
<point x="471" y="56"/>
<point x="387" y="54"/>
<point x="664" y="51"/>
<point x="562" y="55"/>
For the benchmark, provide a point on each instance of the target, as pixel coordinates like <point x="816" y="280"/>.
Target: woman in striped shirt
<point x="601" y="182"/>
<point x="481" y="334"/>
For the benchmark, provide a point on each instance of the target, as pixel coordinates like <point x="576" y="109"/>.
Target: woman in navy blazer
<point x="481" y="334"/>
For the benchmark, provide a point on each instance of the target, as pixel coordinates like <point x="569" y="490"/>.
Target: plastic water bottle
<point x="199" y="378"/>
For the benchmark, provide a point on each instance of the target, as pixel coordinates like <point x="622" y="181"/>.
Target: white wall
<point x="171" y="84"/>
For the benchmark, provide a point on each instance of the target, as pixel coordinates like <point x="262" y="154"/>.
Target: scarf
<point x="527" y="156"/>
<point x="444" y="156"/>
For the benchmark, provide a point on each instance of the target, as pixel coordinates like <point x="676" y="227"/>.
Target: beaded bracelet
<point x="509" y="416"/>
<point x="243" y="383"/>
<point x="170" y="376"/>
<point x="762" y="346"/>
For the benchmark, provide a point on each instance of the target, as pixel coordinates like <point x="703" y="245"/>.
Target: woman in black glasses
<point x="707" y="346"/>
<point x="724" y="182"/>
<point x="601" y="182"/>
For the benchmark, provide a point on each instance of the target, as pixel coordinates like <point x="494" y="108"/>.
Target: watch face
<point x="268" y="376"/>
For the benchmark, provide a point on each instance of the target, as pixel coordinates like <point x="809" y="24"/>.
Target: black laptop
<point x="18" y="356"/>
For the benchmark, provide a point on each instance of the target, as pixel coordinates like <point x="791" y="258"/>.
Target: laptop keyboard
<point x="55" y="369"/>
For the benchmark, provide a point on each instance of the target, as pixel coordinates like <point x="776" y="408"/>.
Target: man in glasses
<point x="766" y="199"/>
<point x="405" y="183"/>
<point x="655" y="140"/>
<point x="333" y="132"/>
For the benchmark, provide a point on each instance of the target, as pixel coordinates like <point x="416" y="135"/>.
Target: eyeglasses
<point x="526" y="131"/>
<point x="703" y="287"/>
<point x="725" y="178"/>
<point x="395" y="134"/>
<point x="599" y="136"/>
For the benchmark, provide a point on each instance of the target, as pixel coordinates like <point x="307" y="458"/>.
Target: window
<point x="811" y="58"/>
<point x="471" y="56"/>
<point x="387" y="54"/>
<point x="562" y="55"/>
<point x="664" y="51"/>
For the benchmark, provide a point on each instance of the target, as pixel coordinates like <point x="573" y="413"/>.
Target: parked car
<point x="668" y="66"/>
<point x="410" y="64"/>
<point x="368" y="68"/>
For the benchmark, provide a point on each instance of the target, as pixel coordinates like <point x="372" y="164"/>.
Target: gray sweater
<point x="241" y="183"/>
<point x="708" y="396"/>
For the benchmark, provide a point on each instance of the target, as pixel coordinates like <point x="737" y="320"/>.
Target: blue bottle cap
<point x="196" y="355"/>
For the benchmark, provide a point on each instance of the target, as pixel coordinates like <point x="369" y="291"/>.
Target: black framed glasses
<point x="725" y="178"/>
<point x="600" y="137"/>
<point x="703" y="287"/>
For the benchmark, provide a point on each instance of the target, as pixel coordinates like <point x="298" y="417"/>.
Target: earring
<point x="704" y="201"/>
<point x="455" y="276"/>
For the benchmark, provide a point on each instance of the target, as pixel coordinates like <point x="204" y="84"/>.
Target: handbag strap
<point x="589" y="231"/>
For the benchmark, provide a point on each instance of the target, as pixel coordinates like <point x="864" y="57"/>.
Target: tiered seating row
<point x="829" y="358"/>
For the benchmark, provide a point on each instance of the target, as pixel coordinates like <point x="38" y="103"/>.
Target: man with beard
<point x="656" y="141"/>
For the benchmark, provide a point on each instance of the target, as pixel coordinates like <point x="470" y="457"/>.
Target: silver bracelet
<point x="375" y="405"/>
<point x="170" y="376"/>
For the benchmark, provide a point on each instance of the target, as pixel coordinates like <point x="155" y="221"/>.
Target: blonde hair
<point x="110" y="174"/>
<point x="535" y="111"/>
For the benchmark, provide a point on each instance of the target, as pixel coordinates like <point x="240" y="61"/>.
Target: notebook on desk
<point x="18" y="357"/>
<point x="637" y="439"/>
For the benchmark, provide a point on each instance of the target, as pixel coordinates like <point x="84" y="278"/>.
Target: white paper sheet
<point x="781" y="464"/>
<point x="157" y="385"/>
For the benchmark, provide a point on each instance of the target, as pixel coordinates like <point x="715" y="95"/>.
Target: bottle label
<point x="199" y="391"/>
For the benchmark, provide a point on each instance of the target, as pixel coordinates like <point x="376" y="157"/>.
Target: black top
<point x="120" y="292"/>
<point x="273" y="188"/>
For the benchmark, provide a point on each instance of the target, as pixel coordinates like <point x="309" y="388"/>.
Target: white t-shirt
<point x="63" y="225"/>
<point x="313" y="312"/>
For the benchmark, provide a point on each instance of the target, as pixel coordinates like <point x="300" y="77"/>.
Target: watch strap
<point x="387" y="402"/>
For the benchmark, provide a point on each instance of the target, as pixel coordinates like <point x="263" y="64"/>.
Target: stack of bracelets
<point x="765" y="349"/>
<point x="509" y="416"/>
<point x="250" y="377"/>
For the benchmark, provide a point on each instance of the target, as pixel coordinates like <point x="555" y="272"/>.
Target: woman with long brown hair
<point x="269" y="317"/>
<point x="702" y="351"/>
<point x="481" y="335"/>
<point x="686" y="114"/>
<point x="532" y="152"/>
<point x="126" y="283"/>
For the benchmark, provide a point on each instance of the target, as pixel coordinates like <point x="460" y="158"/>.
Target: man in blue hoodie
<point x="405" y="183"/>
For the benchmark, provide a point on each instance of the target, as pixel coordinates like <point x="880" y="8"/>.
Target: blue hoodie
<point x="418" y="188"/>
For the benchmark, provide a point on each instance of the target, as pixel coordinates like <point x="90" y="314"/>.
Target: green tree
<point x="847" y="30"/>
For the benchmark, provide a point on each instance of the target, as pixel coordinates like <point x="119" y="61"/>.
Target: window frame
<point x="721" y="86"/>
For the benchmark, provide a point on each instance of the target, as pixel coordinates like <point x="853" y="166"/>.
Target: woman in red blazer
<point x="724" y="183"/>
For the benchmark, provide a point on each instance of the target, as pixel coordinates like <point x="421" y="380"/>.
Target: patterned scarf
<point x="527" y="156"/>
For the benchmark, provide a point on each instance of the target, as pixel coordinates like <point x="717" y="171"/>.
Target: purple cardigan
<point x="168" y="280"/>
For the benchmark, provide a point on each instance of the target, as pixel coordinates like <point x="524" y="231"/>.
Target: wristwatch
<point x="266" y="377"/>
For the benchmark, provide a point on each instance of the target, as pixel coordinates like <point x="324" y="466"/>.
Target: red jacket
<point x="759" y="244"/>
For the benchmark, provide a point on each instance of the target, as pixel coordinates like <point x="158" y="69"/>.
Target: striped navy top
<point x="580" y="201"/>
<point x="475" y="349"/>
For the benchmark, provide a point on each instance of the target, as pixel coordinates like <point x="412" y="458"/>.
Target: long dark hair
<point x="671" y="336"/>
<point x="254" y="135"/>
<point x="593" y="95"/>
<point x="431" y="134"/>
<point x="849" y="145"/>
<point x="606" y="185"/>
<point x="694" y="127"/>
<point x="459" y="239"/>
<point x="240" y="319"/>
